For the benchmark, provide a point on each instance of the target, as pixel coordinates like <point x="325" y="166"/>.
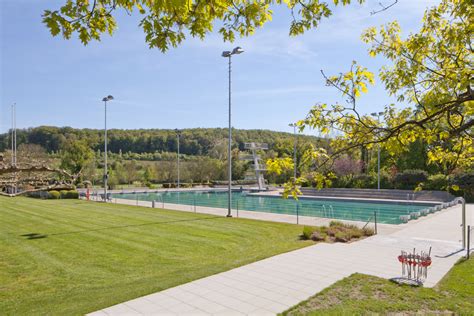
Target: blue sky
<point x="275" y="82"/>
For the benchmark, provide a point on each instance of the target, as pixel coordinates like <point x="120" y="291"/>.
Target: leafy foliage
<point x="166" y="23"/>
<point x="431" y="71"/>
<point x="410" y="178"/>
<point x="54" y="195"/>
<point x="75" y="156"/>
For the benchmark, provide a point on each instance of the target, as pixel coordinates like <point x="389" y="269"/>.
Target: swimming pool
<point x="387" y="212"/>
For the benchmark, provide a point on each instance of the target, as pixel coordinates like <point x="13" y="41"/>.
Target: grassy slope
<point x="89" y="255"/>
<point x="363" y="294"/>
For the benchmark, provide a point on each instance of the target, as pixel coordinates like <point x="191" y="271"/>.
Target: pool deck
<point x="272" y="285"/>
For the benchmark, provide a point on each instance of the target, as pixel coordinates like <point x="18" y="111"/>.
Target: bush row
<point x="212" y="183"/>
<point x="182" y="185"/>
<point x="406" y="180"/>
<point x="54" y="194"/>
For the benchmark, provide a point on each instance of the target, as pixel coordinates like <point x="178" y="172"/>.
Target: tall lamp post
<point x="228" y="54"/>
<point x="106" y="170"/>
<point x="178" y="134"/>
<point x="378" y="115"/>
<point x="14" y="156"/>
<point x="294" y="148"/>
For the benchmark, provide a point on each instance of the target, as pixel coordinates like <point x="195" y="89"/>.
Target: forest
<point x="194" y="141"/>
<point x="148" y="157"/>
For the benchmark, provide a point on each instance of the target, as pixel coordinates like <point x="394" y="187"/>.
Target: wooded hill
<point x="194" y="141"/>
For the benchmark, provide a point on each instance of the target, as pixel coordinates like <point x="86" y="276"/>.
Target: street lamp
<point x="14" y="155"/>
<point x="106" y="171"/>
<point x="378" y="115"/>
<point x="228" y="54"/>
<point x="178" y="134"/>
<point x="294" y="149"/>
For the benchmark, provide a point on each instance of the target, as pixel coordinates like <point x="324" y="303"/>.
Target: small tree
<point x="75" y="155"/>
<point x="346" y="165"/>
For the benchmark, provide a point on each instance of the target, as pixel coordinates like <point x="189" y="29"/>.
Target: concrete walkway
<point x="273" y="285"/>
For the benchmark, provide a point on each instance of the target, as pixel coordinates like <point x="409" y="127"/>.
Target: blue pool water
<point x="387" y="212"/>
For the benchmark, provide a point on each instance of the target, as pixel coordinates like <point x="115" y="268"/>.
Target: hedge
<point x="409" y="179"/>
<point x="53" y="195"/>
<point x="465" y="182"/>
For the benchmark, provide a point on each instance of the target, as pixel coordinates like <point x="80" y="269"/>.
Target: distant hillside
<point x="194" y="141"/>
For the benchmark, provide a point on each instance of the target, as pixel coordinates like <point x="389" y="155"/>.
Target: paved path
<point x="273" y="285"/>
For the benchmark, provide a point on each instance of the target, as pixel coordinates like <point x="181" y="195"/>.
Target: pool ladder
<point x="329" y="212"/>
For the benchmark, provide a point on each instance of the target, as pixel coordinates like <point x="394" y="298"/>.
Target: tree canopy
<point x="194" y="141"/>
<point x="166" y="23"/>
<point x="431" y="75"/>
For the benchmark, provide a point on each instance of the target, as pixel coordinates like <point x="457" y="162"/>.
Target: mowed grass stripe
<point x="74" y="214"/>
<point x="74" y="219"/>
<point x="91" y="255"/>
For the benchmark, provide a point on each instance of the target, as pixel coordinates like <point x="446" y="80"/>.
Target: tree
<point x="91" y="173"/>
<point x="149" y="174"/>
<point x="130" y="171"/>
<point x="32" y="154"/>
<point x="75" y="156"/>
<point x="346" y="165"/>
<point x="167" y="22"/>
<point x="167" y="171"/>
<point x="432" y="70"/>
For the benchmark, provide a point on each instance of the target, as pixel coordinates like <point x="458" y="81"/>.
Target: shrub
<point x="336" y="231"/>
<point x="368" y="231"/>
<point x="437" y="182"/>
<point x="385" y="180"/>
<point x="35" y="194"/>
<point x="465" y="182"/>
<point x="336" y="223"/>
<point x="342" y="236"/>
<point x="364" y="181"/>
<point x="307" y="232"/>
<point x="66" y="194"/>
<point x="151" y="186"/>
<point x="343" y="182"/>
<point x="169" y="185"/>
<point x="318" y="236"/>
<point x="54" y="195"/>
<point x="72" y="194"/>
<point x="355" y="233"/>
<point x="409" y="179"/>
<point x="333" y="230"/>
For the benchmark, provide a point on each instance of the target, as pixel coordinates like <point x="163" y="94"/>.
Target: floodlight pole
<point x="229" y="54"/>
<point x="178" y="134"/>
<point x="106" y="171"/>
<point x="229" y="145"/>
<point x="294" y="149"/>
<point x="13" y="134"/>
<point x="378" y="167"/>
<point x="14" y="157"/>
<point x="378" y="150"/>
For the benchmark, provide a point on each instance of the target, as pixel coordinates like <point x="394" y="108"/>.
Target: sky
<point x="274" y="82"/>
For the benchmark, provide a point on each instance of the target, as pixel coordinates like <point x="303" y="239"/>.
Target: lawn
<point x="73" y="257"/>
<point x="362" y="294"/>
